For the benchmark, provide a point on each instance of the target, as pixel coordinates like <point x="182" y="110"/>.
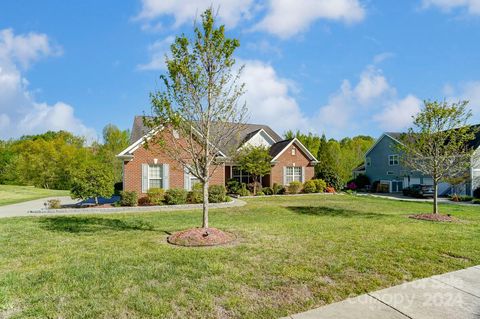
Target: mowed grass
<point x="11" y="194"/>
<point x="292" y="254"/>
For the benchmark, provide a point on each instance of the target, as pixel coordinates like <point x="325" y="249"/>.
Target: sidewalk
<point x="451" y="295"/>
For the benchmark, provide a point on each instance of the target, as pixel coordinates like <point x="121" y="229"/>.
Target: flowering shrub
<point x="330" y="189"/>
<point x="352" y="186"/>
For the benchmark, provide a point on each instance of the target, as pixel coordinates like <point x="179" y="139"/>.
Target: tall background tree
<point x="199" y="101"/>
<point x="437" y="144"/>
<point x="256" y="161"/>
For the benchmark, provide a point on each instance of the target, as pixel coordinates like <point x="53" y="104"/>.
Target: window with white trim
<point x="393" y="160"/>
<point x="155" y="176"/>
<point x="293" y="173"/>
<point x="239" y="175"/>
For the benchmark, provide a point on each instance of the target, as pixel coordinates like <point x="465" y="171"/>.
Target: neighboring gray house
<point x="382" y="164"/>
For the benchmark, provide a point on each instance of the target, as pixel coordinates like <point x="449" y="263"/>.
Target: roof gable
<point x="279" y="148"/>
<point x="392" y="135"/>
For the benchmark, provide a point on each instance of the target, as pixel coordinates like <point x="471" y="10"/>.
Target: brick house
<point x="146" y="168"/>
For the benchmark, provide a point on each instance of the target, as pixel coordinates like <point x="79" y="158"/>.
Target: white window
<point x="155" y="176"/>
<point x="393" y="160"/>
<point x="294" y="150"/>
<point x="368" y="161"/>
<point x="293" y="173"/>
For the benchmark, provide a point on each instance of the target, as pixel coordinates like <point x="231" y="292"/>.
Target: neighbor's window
<point x="294" y="150"/>
<point x="155" y="176"/>
<point x="293" y="174"/>
<point x="368" y="161"/>
<point x="392" y="160"/>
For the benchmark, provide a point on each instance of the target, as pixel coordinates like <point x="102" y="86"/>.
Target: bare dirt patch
<point x="201" y="237"/>
<point x="434" y="217"/>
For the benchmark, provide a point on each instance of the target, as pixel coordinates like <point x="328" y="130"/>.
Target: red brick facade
<point x="287" y="159"/>
<point x="132" y="170"/>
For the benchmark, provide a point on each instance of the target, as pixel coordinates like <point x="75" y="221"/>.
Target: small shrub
<point x="233" y="186"/>
<point x="243" y="192"/>
<point x="143" y="201"/>
<point x="330" y="189"/>
<point x="476" y="201"/>
<point x="476" y="192"/>
<point x="466" y="198"/>
<point x="278" y="189"/>
<point x="350" y="192"/>
<point x="362" y="180"/>
<point x="155" y="196"/>
<point x="128" y="198"/>
<point x="260" y="193"/>
<point x="294" y="187"/>
<point x="217" y="194"/>
<point x="309" y="187"/>
<point x="176" y="196"/>
<point x="196" y="195"/>
<point x="320" y="184"/>
<point x="53" y="204"/>
<point x="267" y="190"/>
<point x="352" y="186"/>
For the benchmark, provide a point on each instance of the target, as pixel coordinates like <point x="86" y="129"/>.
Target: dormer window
<point x="294" y="151"/>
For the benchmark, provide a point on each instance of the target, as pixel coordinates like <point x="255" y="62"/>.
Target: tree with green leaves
<point x="199" y="102"/>
<point x="437" y="144"/>
<point x="256" y="161"/>
<point x="93" y="181"/>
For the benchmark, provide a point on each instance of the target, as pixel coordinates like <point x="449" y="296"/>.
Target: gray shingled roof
<point x="139" y="130"/>
<point x="276" y="148"/>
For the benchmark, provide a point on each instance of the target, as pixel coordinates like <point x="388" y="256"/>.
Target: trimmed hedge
<point x="128" y="198"/>
<point x="294" y="187"/>
<point x="176" y="196"/>
<point x="155" y="196"/>
<point x="217" y="194"/>
<point x="309" y="187"/>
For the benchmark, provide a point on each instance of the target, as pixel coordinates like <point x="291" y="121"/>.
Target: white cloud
<point x="230" y="12"/>
<point x="286" y="18"/>
<point x="20" y="113"/>
<point x="469" y="91"/>
<point x="397" y="115"/>
<point x="158" y="50"/>
<point x="371" y="103"/>
<point x="269" y="98"/>
<point x="471" y="6"/>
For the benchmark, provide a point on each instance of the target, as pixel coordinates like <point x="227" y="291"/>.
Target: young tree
<point x="256" y="161"/>
<point x="199" y="102"/>
<point x="438" y="142"/>
<point x="93" y="181"/>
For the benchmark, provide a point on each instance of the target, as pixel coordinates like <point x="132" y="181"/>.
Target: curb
<point x="165" y="208"/>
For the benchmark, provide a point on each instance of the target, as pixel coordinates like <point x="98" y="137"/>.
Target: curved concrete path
<point x="22" y="209"/>
<point x="452" y="295"/>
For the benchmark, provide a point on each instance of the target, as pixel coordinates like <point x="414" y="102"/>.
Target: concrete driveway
<point x="21" y="209"/>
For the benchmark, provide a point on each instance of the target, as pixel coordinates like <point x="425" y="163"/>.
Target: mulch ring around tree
<point x="434" y="217"/>
<point x="201" y="237"/>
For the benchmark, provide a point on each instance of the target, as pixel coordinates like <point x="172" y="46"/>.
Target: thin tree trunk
<point x="435" y="197"/>
<point x="205" y="205"/>
<point x="96" y="200"/>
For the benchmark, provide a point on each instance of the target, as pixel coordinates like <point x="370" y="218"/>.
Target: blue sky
<point x="343" y="67"/>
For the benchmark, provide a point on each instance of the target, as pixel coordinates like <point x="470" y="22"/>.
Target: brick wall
<point x="132" y="170"/>
<point x="287" y="159"/>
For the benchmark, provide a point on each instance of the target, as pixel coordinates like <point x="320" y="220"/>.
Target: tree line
<point x="53" y="160"/>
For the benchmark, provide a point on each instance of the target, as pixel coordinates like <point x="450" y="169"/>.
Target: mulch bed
<point x="201" y="237"/>
<point x="434" y="217"/>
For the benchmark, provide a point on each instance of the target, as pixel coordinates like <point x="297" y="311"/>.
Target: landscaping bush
<point x="128" y="198"/>
<point x="330" y="189"/>
<point x="217" y="194"/>
<point x="155" y="196"/>
<point x="196" y="195"/>
<point x="53" y="204"/>
<point x="243" y="192"/>
<point x="278" y="189"/>
<point x="352" y="186"/>
<point x="476" y="192"/>
<point x="309" y="187"/>
<point x="320" y="185"/>
<point x="260" y="193"/>
<point x="331" y="178"/>
<point x="176" y="196"/>
<point x="267" y="190"/>
<point x="362" y="180"/>
<point x="294" y="187"/>
<point x="476" y="201"/>
<point x="233" y="186"/>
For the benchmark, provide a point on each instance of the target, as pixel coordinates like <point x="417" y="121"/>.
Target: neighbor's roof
<point x="246" y="132"/>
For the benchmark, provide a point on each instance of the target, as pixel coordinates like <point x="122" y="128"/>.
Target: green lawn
<point x="293" y="254"/>
<point x="10" y="194"/>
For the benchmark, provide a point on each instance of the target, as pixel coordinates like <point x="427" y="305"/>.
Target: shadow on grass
<point x="91" y="224"/>
<point x="333" y="212"/>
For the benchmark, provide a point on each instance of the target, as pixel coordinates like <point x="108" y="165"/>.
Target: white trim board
<point x="302" y="147"/>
